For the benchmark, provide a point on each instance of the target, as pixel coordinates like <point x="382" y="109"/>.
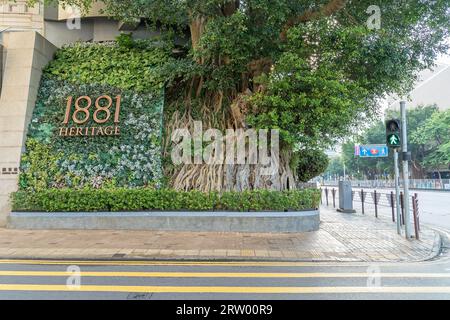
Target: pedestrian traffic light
<point x="393" y="133"/>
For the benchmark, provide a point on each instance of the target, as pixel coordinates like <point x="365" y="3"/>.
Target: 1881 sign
<point x="102" y="112"/>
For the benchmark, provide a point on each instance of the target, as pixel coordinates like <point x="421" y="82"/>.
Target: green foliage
<point x="125" y="40"/>
<point x="310" y="163"/>
<point x="132" y="159"/>
<point x="420" y="144"/>
<point x="143" y="199"/>
<point x="326" y="75"/>
<point x="335" y="169"/>
<point x="434" y="136"/>
<point x="130" y="65"/>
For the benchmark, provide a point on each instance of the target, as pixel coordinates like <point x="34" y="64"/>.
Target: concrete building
<point x="432" y="88"/>
<point x="29" y="37"/>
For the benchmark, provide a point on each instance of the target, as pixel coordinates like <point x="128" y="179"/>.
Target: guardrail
<point x="425" y="184"/>
<point x="378" y="199"/>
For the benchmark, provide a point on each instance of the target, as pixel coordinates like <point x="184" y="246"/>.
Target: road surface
<point x="434" y="206"/>
<point x="153" y="280"/>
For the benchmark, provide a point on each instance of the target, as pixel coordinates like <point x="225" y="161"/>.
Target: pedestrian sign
<point x="393" y="132"/>
<point x="372" y="151"/>
<point x="394" y="140"/>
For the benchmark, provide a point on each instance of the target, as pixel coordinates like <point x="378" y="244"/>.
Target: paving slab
<point x="341" y="237"/>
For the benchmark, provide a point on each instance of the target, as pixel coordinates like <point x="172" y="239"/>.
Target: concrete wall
<point x="27" y="53"/>
<point x="304" y="221"/>
<point x="98" y="29"/>
<point x="19" y="16"/>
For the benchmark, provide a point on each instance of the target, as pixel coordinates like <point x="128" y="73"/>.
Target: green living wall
<point x="129" y="156"/>
<point x="121" y="169"/>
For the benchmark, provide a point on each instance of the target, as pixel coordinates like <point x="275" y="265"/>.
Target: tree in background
<point x="416" y="119"/>
<point x="311" y="163"/>
<point x="312" y="69"/>
<point x="373" y="168"/>
<point x="335" y="169"/>
<point x="434" y="138"/>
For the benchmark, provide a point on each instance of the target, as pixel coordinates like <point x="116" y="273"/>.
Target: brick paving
<point x="342" y="237"/>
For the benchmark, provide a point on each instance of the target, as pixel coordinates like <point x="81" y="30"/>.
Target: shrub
<point x="143" y="199"/>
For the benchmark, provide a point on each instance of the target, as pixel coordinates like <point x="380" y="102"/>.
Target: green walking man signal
<point x="393" y="133"/>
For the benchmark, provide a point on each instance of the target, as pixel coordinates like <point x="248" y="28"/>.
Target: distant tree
<point x="311" y="163"/>
<point x="416" y="119"/>
<point x="335" y="168"/>
<point x="434" y="137"/>
<point x="376" y="134"/>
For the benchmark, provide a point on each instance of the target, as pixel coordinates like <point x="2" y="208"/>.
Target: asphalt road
<point x="434" y="206"/>
<point x="154" y="280"/>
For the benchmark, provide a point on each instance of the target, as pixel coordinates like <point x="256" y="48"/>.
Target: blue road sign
<point x="372" y="151"/>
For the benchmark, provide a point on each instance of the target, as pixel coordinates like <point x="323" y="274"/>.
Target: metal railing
<point x="426" y="184"/>
<point x="377" y="200"/>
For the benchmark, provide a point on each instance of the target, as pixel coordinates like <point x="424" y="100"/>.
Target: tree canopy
<point x="312" y="69"/>
<point x="428" y="142"/>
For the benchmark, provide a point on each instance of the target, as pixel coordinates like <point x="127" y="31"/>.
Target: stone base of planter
<point x="303" y="221"/>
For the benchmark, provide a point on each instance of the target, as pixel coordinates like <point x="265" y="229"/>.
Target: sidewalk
<point x="342" y="237"/>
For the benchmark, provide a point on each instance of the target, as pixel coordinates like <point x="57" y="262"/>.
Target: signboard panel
<point x="372" y="151"/>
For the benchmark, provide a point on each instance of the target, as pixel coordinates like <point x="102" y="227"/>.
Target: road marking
<point x="190" y="263"/>
<point x="272" y="290"/>
<point x="220" y="274"/>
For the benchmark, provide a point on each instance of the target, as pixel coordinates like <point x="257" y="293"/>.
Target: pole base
<point x="346" y="210"/>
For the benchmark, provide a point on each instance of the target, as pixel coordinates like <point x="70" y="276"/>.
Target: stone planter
<point x="302" y="221"/>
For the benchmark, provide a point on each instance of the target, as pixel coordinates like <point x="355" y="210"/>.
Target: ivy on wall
<point x="131" y="159"/>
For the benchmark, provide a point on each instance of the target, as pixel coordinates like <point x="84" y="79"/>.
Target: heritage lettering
<point x="89" y="131"/>
<point x="81" y="114"/>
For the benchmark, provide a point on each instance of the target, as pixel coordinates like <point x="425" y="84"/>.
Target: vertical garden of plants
<point x="129" y="158"/>
<point x="69" y="165"/>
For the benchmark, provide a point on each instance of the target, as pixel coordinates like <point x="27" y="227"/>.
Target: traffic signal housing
<point x="393" y="133"/>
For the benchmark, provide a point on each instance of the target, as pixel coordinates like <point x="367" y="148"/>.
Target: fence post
<point x="375" y="200"/>
<point x="362" y="200"/>
<point x="333" y="192"/>
<point x="402" y="208"/>
<point x="416" y="222"/>
<point x="417" y="210"/>
<point x="392" y="206"/>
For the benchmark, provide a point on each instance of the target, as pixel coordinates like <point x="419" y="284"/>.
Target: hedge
<point x="146" y="199"/>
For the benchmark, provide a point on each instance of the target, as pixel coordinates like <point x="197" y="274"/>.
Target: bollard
<point x="362" y="200"/>
<point x="375" y="200"/>
<point x="417" y="210"/>
<point x="333" y="192"/>
<point x="402" y="208"/>
<point x="392" y="206"/>
<point x="326" y="194"/>
<point x="321" y="196"/>
<point x="416" y="222"/>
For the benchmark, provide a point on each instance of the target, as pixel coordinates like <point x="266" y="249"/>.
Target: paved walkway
<point x="342" y="237"/>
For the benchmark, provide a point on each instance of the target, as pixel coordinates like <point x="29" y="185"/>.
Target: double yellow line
<point x="204" y="289"/>
<point x="218" y="274"/>
<point x="182" y="263"/>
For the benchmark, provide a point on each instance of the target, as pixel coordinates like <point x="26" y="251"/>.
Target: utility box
<point x="345" y="197"/>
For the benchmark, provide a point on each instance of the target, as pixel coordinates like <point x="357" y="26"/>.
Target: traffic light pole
<point x="405" y="165"/>
<point x="397" y="192"/>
